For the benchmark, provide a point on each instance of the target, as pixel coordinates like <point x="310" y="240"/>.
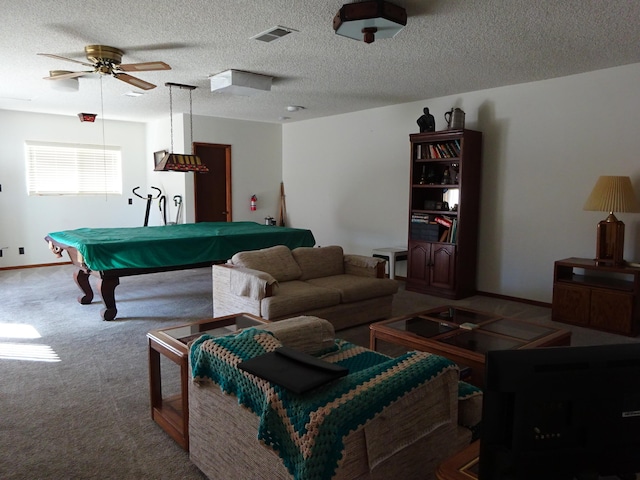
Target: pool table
<point x="111" y="253"/>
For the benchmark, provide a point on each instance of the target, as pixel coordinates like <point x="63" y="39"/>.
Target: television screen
<point x="561" y="413"/>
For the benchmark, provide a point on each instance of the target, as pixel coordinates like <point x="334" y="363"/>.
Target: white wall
<point x="545" y="144"/>
<point x="25" y="220"/>
<point x="256" y="162"/>
<point x="256" y="167"/>
<point x="346" y="177"/>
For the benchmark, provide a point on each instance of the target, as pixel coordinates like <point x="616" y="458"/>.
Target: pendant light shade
<point x="180" y="162"/>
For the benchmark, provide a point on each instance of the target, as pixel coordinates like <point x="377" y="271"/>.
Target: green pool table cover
<point x="173" y="245"/>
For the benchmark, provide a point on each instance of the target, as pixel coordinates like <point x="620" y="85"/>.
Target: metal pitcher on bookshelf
<point x="455" y="119"/>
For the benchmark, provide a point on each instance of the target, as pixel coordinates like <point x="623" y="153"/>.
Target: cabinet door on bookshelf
<point x="443" y="266"/>
<point x="418" y="265"/>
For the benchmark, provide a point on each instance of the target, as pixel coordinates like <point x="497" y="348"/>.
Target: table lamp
<point x="611" y="194"/>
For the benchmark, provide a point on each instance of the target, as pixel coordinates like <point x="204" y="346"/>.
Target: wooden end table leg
<point x="107" y="287"/>
<point x="82" y="280"/>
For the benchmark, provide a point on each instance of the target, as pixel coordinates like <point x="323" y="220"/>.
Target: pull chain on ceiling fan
<point x="107" y="60"/>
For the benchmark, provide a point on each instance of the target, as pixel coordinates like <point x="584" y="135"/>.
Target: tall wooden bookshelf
<point x="444" y="209"/>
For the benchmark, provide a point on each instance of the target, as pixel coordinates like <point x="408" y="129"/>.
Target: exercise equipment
<point x="149" y="199"/>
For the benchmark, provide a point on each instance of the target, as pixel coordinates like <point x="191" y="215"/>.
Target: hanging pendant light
<point x="181" y="162"/>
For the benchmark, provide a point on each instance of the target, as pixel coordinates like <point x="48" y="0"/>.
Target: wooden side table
<point x="602" y="297"/>
<point x="462" y="466"/>
<point x="172" y="413"/>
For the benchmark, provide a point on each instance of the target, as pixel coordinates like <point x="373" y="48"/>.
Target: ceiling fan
<point x="106" y="61"/>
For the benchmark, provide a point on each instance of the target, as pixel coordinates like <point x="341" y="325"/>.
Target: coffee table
<point x="464" y="335"/>
<point x="461" y="466"/>
<point x="172" y="412"/>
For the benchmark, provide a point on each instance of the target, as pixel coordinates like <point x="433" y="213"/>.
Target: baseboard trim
<point x="18" y="267"/>
<point x="515" y="299"/>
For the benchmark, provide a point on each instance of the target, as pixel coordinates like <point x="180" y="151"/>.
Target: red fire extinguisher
<point x="254" y="200"/>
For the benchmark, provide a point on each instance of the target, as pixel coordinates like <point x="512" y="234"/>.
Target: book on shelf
<point x="443" y="221"/>
<point x="445" y="235"/>
<point x="420" y="218"/>
<point x="454" y="231"/>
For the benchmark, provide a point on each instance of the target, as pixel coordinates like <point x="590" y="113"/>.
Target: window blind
<point x="70" y="169"/>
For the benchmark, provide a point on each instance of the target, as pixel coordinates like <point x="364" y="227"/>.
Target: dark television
<point x="561" y="413"/>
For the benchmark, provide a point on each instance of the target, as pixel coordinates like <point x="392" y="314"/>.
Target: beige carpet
<point x="74" y="394"/>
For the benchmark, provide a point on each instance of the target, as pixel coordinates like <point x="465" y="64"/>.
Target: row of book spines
<point x="438" y="150"/>
<point x="420" y="218"/>
<point x="450" y="234"/>
<point x="426" y="218"/>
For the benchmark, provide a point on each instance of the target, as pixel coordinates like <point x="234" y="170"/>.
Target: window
<point x="68" y="169"/>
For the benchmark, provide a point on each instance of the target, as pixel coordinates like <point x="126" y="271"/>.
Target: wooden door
<point x="213" y="189"/>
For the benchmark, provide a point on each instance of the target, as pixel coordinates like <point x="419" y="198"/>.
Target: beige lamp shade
<point x="612" y="194"/>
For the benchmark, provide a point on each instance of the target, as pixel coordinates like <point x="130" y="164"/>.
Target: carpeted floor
<point x="74" y="393"/>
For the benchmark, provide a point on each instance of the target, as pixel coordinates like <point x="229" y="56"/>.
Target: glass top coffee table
<point x="172" y="412"/>
<point x="464" y="335"/>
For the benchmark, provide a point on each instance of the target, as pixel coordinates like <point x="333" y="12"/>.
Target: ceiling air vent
<point x="272" y="34"/>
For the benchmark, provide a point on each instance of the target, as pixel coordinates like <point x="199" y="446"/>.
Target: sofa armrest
<point x="247" y="282"/>
<point x="469" y="405"/>
<point x="225" y="302"/>
<point x="307" y="334"/>
<point x="364" y="266"/>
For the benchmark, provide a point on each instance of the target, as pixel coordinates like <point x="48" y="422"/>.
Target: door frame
<point x="227" y="167"/>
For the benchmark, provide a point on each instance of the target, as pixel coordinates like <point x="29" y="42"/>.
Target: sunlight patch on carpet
<point x="18" y="330"/>
<point x="22" y="351"/>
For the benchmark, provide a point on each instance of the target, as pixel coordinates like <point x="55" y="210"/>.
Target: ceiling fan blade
<point x="66" y="75"/>
<point x="66" y="59"/>
<point x="136" y="82"/>
<point x="144" y="67"/>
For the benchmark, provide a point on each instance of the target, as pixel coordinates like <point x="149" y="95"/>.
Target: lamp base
<point x="610" y="242"/>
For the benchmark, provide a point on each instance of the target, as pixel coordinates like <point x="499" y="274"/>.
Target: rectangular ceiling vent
<point x="272" y="34"/>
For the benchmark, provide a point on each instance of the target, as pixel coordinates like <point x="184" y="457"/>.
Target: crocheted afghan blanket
<point x="307" y="430"/>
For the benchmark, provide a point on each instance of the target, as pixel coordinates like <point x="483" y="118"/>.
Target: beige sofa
<point x="407" y="440"/>
<point x="277" y="283"/>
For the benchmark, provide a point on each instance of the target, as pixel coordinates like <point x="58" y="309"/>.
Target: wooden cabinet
<point x="443" y="212"/>
<point x="597" y="296"/>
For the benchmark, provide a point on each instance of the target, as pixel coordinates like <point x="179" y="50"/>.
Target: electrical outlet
<point x="21" y="250"/>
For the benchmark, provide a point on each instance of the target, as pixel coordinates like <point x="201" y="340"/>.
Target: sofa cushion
<point x="319" y="262"/>
<point x="354" y="288"/>
<point x="296" y="297"/>
<point x="276" y="261"/>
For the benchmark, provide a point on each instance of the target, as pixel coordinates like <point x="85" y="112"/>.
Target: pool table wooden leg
<point x="82" y="280"/>
<point x="107" y="287"/>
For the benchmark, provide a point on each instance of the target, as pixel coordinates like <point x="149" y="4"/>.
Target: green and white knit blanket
<point x="308" y="430"/>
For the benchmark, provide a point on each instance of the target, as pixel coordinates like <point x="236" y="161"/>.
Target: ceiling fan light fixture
<point x="238" y="82"/>
<point x="369" y="20"/>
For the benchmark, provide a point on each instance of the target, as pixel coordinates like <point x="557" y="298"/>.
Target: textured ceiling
<point x="447" y="47"/>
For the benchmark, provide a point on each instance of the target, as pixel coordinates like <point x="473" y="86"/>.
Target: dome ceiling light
<point x="370" y="19"/>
